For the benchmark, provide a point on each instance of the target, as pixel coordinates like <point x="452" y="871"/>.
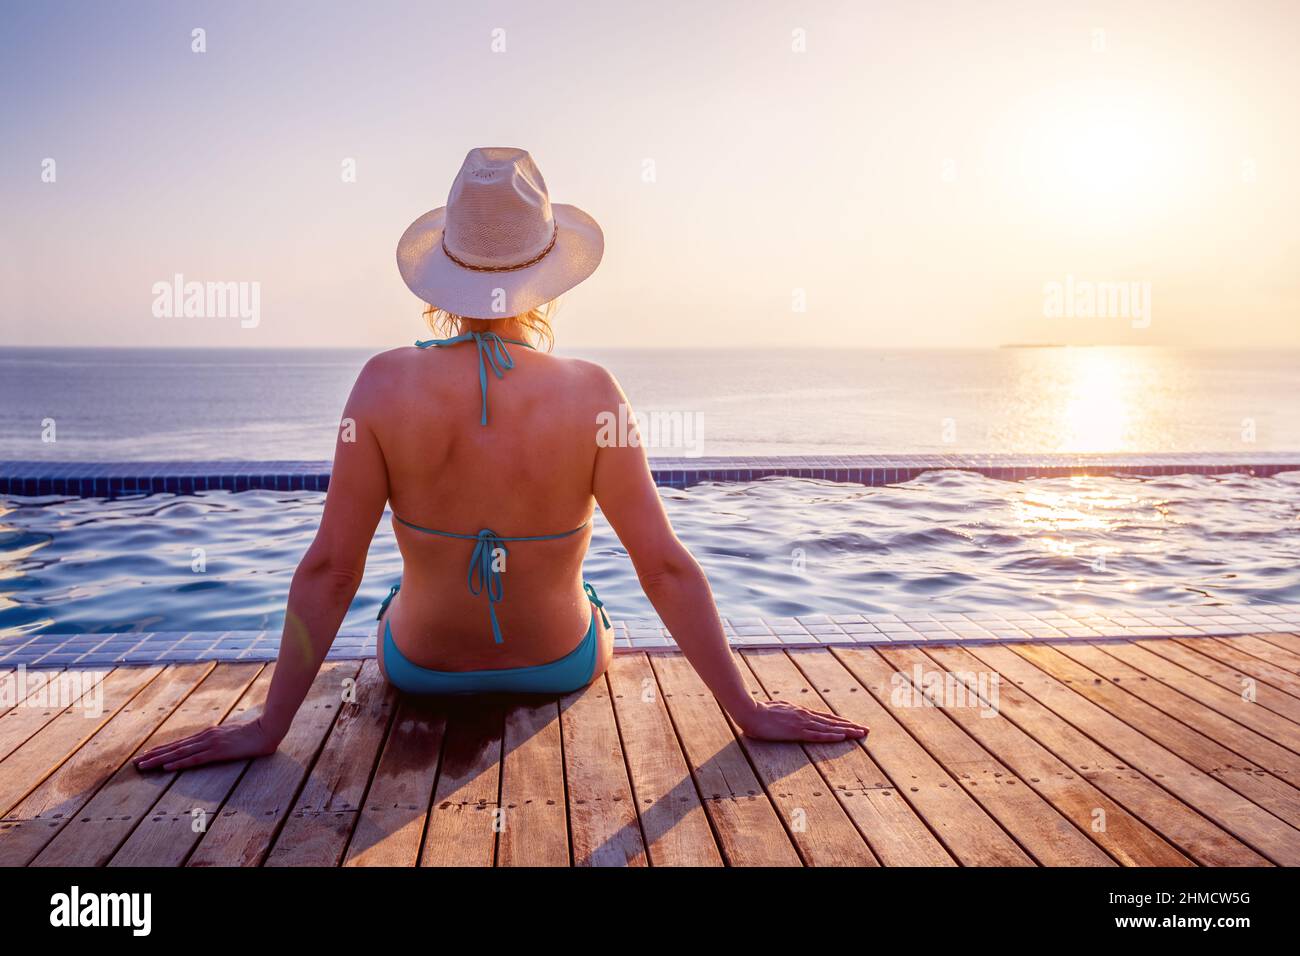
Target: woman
<point x="488" y="450"/>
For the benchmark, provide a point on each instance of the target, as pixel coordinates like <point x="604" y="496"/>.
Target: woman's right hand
<point x="778" y="720"/>
<point x="222" y="742"/>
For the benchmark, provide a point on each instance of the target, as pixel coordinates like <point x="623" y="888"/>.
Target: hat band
<point x="555" y="232"/>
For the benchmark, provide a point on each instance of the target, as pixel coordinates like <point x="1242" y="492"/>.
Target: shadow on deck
<point x="1148" y="752"/>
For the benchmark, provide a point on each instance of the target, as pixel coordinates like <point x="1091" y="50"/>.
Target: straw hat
<point x="500" y="246"/>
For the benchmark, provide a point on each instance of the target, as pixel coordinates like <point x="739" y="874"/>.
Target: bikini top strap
<point x="486" y="562"/>
<point x="471" y="537"/>
<point x="492" y="353"/>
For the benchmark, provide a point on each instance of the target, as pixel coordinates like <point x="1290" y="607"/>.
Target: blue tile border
<point x="116" y="479"/>
<point x="632" y="636"/>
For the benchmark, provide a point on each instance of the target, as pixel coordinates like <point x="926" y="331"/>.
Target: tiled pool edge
<point x="102" y="650"/>
<point x="112" y="479"/>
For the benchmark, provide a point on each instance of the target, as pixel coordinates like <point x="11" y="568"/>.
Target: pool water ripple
<point x="779" y="547"/>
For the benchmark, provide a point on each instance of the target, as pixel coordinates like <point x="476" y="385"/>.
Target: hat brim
<point x="437" y="280"/>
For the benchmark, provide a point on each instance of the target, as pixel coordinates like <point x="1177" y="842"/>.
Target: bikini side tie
<point x="596" y="602"/>
<point x="492" y="353"/>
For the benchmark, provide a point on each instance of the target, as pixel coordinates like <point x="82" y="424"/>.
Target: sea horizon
<point x="89" y="403"/>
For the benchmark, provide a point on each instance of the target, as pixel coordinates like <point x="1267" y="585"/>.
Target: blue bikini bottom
<point x="574" y="670"/>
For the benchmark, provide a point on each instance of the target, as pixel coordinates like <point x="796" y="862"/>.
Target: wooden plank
<point x="1289" y="661"/>
<point x="1126" y="838"/>
<point x="1241" y="774"/>
<point x="182" y="814"/>
<point x="891" y="828"/>
<point x="94" y="834"/>
<point x="1210" y="660"/>
<point x="391" y="824"/>
<point x="1036" y="825"/>
<point x="1259" y="829"/>
<point x="243" y="830"/>
<point x="673" y="821"/>
<point x="9" y="687"/>
<point x="1227" y="651"/>
<point x="748" y="828"/>
<point x="603" y="823"/>
<point x="965" y="829"/>
<point x="463" y="820"/>
<point x="40" y="704"/>
<point x="534" y="824"/>
<point x="1181" y="825"/>
<point x="1283" y="639"/>
<point x="33" y="823"/>
<point x="821" y="830"/>
<point x="1231" y="719"/>
<point x="317" y="831"/>
<point x="45" y="751"/>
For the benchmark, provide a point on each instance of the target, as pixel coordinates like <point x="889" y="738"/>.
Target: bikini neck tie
<point x="492" y="352"/>
<point x="484" y="575"/>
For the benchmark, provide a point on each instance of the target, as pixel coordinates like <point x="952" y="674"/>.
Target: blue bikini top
<point x="484" y="577"/>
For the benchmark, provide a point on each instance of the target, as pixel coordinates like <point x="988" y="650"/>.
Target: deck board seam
<point x="627" y="769"/>
<point x="53" y="716"/>
<point x="109" y="776"/>
<point x="1220" y="662"/>
<point x="1246" y="650"/>
<point x="988" y="813"/>
<point x="304" y="777"/>
<point x="1150" y="779"/>
<point x="723" y="850"/>
<point x="370" y="782"/>
<point x="1255" y="768"/>
<point x="86" y="740"/>
<point x="1154" y="743"/>
<point x="901" y="791"/>
<point x="812" y="762"/>
<point x="446" y="715"/>
<point x="1187" y="695"/>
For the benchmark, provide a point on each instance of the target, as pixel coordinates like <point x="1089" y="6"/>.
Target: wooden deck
<point x="1173" y="752"/>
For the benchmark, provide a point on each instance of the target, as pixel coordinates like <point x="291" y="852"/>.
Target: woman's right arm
<point x="675" y="584"/>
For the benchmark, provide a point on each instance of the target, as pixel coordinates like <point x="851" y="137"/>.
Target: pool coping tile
<point x="51" y="650"/>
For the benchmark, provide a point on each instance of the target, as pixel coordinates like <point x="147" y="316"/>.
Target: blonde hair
<point x="535" y="324"/>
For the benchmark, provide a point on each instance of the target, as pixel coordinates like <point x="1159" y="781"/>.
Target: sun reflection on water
<point x="1097" y="412"/>
<point x="1089" y="400"/>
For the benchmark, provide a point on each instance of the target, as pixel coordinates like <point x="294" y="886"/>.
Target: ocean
<point x="773" y="548"/>
<point x="161" y="404"/>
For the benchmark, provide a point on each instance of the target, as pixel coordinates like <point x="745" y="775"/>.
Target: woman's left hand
<point x="223" y="742"/>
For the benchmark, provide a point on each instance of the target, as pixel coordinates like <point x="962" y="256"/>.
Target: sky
<point x="820" y="174"/>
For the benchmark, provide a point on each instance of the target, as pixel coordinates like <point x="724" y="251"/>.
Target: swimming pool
<point x="773" y="548"/>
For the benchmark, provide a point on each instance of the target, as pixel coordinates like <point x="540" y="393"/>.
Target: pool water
<point x="779" y="547"/>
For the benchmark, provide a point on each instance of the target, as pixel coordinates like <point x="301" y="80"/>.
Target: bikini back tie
<point x="484" y="574"/>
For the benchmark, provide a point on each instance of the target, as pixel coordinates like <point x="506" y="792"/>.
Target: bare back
<point x="528" y="472"/>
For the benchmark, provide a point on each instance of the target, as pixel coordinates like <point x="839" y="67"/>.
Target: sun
<point x="1090" y="154"/>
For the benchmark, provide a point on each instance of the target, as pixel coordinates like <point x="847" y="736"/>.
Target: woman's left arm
<point x="323" y="587"/>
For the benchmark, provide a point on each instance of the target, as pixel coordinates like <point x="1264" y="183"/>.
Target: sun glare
<point x="1095" y="412"/>
<point x="1091" y="156"/>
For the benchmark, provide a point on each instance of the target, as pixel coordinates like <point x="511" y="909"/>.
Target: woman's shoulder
<point x="386" y="372"/>
<point x="390" y="361"/>
<point x="590" y="377"/>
